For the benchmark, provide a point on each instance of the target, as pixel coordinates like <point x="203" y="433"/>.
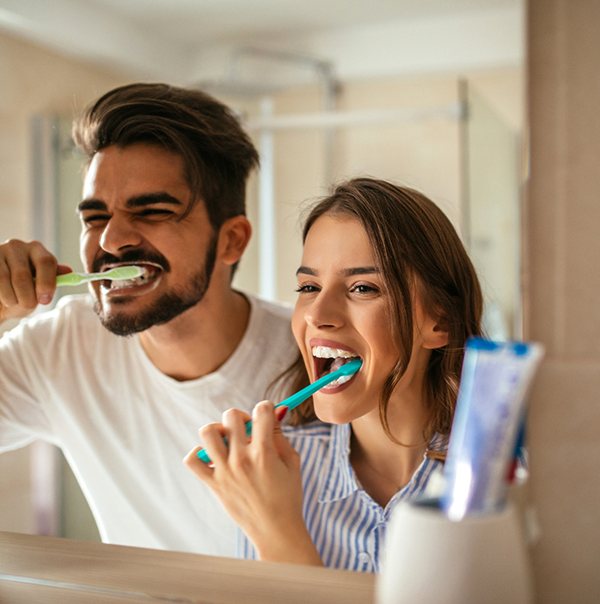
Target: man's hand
<point x="27" y="277"/>
<point x="258" y="482"/>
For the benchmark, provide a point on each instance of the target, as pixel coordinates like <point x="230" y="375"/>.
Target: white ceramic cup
<point x="429" y="558"/>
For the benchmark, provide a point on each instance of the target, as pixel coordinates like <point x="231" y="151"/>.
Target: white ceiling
<point x="196" y="22"/>
<point x="190" y="40"/>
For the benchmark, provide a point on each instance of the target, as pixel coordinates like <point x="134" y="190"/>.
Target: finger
<point x="263" y="424"/>
<point x="284" y="449"/>
<point x="8" y="297"/>
<point x="17" y="277"/>
<point x="212" y="437"/>
<point x="234" y="422"/>
<point x="202" y="470"/>
<point x="45" y="268"/>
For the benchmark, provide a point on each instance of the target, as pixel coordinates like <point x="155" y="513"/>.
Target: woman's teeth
<point x="339" y="381"/>
<point x="334" y="359"/>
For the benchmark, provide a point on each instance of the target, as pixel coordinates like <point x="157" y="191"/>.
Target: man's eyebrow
<point x="347" y="272"/>
<point x="138" y="201"/>
<point x="148" y="199"/>
<point x="91" y="204"/>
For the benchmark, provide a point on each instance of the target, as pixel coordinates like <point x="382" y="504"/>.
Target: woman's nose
<point x="119" y="234"/>
<point x="325" y="312"/>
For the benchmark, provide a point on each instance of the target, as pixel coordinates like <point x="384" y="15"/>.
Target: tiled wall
<point x="563" y="295"/>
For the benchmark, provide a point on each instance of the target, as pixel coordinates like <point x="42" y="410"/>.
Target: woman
<point x="384" y="277"/>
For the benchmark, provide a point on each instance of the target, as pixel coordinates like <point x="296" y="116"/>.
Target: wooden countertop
<point x="65" y="571"/>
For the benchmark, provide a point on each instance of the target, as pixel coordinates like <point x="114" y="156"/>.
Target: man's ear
<point x="234" y="236"/>
<point x="436" y="333"/>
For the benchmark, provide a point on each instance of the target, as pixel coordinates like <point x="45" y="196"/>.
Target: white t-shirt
<point x="124" y="426"/>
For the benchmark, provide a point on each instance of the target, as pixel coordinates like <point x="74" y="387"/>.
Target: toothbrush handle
<point x="291" y="402"/>
<point x="69" y="279"/>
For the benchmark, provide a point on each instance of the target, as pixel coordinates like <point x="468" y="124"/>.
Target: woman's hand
<point x="258" y="481"/>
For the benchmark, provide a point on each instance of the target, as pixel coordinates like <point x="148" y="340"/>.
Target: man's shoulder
<point x="74" y="308"/>
<point x="277" y="310"/>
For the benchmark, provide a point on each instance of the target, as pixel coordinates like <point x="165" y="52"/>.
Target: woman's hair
<point x="418" y="251"/>
<point x="217" y="154"/>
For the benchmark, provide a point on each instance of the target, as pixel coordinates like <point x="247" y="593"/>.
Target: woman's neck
<point x="383" y="466"/>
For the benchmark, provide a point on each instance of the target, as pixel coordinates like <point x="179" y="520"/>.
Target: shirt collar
<point x="340" y="482"/>
<point x="340" y="478"/>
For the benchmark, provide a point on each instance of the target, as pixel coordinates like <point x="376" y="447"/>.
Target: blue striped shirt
<point x="346" y="525"/>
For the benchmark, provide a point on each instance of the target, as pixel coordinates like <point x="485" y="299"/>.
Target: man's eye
<point x="94" y="218"/>
<point x="155" y="212"/>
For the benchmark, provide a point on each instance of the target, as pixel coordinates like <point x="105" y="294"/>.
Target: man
<point x="165" y="190"/>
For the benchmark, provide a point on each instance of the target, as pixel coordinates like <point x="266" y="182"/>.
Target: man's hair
<point x="217" y="154"/>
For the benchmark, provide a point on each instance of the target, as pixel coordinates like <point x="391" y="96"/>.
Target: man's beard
<point x="167" y="307"/>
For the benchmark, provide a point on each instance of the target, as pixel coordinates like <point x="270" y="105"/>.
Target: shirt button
<point x="364" y="558"/>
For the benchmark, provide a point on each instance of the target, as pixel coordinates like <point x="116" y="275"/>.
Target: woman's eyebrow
<point x="305" y="270"/>
<point x="360" y="270"/>
<point x="347" y="272"/>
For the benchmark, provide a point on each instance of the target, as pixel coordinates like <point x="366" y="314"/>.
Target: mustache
<point x="133" y="256"/>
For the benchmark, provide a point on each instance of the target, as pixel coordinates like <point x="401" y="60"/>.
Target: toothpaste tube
<point x="490" y="409"/>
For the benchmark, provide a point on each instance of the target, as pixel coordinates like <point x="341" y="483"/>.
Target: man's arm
<point x="27" y="277"/>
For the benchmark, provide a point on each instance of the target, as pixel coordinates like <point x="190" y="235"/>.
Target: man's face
<point x="133" y="202"/>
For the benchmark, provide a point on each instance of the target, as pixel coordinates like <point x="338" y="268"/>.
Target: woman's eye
<point x="363" y="288"/>
<point x="306" y="289"/>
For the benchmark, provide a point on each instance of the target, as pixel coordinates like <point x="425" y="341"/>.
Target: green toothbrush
<point x="293" y="401"/>
<point x="121" y="272"/>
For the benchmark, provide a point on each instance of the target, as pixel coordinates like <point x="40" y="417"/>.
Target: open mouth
<point x="150" y="274"/>
<point x="328" y="359"/>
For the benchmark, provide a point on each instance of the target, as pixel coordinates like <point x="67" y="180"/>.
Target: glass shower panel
<point x="491" y="211"/>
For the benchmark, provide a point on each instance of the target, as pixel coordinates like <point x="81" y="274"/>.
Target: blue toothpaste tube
<point x="490" y="411"/>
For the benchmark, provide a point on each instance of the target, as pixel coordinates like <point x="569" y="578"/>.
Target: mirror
<point x="450" y="130"/>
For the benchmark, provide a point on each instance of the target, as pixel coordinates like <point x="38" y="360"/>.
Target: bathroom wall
<point x="562" y="239"/>
<point x="33" y="81"/>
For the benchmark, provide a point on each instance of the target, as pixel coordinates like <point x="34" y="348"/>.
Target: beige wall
<point x="32" y="81"/>
<point x="423" y="154"/>
<point x="563" y="232"/>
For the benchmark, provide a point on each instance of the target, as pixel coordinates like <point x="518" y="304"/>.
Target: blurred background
<point x="426" y="93"/>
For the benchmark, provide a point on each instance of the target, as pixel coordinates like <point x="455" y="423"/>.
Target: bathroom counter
<point x="65" y="571"/>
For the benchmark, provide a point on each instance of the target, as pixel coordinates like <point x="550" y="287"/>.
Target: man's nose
<point x="118" y="235"/>
<point x="326" y="311"/>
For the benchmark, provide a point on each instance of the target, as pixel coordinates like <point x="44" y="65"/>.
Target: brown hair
<point x="218" y="155"/>
<point x="416" y="247"/>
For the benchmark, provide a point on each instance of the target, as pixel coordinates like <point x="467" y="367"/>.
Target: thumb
<point x="285" y="451"/>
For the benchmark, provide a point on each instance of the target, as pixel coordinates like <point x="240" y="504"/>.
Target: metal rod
<point x="341" y="119"/>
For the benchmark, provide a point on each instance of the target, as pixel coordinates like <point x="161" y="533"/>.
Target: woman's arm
<point x="258" y="481"/>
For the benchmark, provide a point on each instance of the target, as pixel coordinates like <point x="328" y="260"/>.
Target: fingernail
<point x="281" y="412"/>
<point x="44" y="299"/>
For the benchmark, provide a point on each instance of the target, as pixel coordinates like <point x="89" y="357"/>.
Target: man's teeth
<point x="140" y="280"/>
<point x="324" y="352"/>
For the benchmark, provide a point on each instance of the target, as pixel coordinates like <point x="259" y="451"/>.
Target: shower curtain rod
<point x="340" y="119"/>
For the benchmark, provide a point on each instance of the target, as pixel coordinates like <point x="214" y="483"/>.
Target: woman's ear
<point x="436" y="332"/>
<point x="234" y="236"/>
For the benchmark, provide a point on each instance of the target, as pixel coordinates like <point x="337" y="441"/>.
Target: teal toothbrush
<point x="293" y="401"/>
<point x="121" y="272"/>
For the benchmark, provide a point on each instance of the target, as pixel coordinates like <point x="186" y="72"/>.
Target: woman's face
<point x="342" y="313"/>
